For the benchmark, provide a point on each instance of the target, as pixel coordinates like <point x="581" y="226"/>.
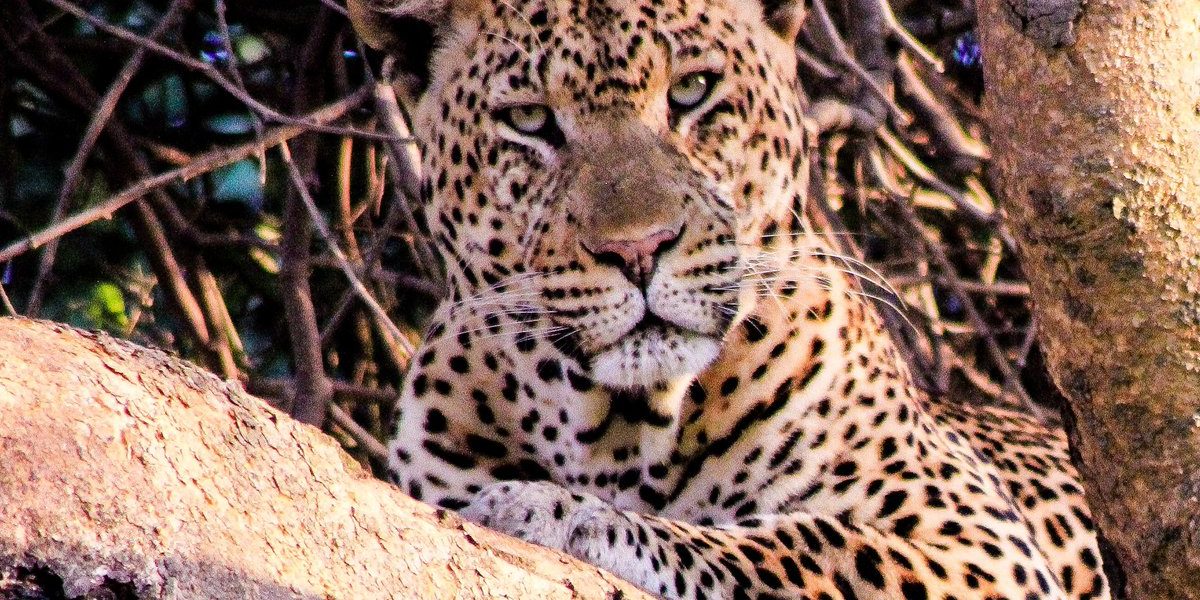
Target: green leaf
<point x="106" y="307"/>
<point x="250" y="49"/>
<point x="230" y="123"/>
<point x="239" y="182"/>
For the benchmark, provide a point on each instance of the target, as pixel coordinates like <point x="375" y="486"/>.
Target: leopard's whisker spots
<point x="494" y="299"/>
<point x="500" y="289"/>
<point x="567" y="331"/>
<point x="536" y="332"/>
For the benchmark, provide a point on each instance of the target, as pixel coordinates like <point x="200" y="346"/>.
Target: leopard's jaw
<point x="652" y="357"/>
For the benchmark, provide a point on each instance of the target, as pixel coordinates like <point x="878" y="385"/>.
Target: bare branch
<point x="203" y="163"/>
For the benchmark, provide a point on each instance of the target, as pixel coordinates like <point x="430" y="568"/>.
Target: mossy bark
<point x="1096" y="138"/>
<point x="125" y="472"/>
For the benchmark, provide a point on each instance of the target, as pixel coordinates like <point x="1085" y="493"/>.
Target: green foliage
<point x="106" y="308"/>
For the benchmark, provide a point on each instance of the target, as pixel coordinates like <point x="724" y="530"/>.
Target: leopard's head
<point x="611" y="167"/>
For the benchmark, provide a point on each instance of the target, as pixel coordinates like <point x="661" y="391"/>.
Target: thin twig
<point x="203" y="163"/>
<point x="74" y="171"/>
<point x="947" y="133"/>
<point x="1017" y="289"/>
<point x="282" y="389"/>
<point x="926" y="176"/>
<point x="236" y="75"/>
<point x="322" y="229"/>
<point x="225" y="339"/>
<point x="405" y="171"/>
<point x="897" y="31"/>
<point x="836" y="46"/>
<point x="6" y="303"/>
<point x="364" y="438"/>
<point x="1012" y="380"/>
<point x="210" y="72"/>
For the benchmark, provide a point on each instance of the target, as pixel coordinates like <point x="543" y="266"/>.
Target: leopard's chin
<point x="655" y="355"/>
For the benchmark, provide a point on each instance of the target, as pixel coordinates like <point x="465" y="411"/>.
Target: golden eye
<point x="691" y="90"/>
<point x="530" y="119"/>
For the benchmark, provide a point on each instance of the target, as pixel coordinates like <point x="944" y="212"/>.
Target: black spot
<point x="904" y="525"/>
<point x="629" y="479"/>
<point x="435" y="421"/>
<point x="810" y="371"/>
<point x="887" y="448"/>
<point x="756" y="330"/>
<point x="549" y="370"/>
<point x="459" y="365"/>
<point x="913" y="590"/>
<point x="452" y="503"/>
<point x="892" y="501"/>
<point x="768" y="578"/>
<point x="791" y="570"/>
<point x="420" y="385"/>
<point x="579" y="382"/>
<point x="729" y="386"/>
<point x="937" y="569"/>
<point x="486" y="446"/>
<point x="530" y="420"/>
<point x="525" y="342"/>
<point x="830" y="533"/>
<point x="866" y="562"/>
<point x="457" y="459"/>
<point x="652" y="497"/>
<point x="509" y="391"/>
<point x="843" y="586"/>
<point x="950" y="529"/>
<point x="810" y="539"/>
<point x="754" y="554"/>
<point x="759" y="372"/>
<point x="495" y="247"/>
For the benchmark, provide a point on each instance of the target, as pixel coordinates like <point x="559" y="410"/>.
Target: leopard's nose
<point x="636" y="257"/>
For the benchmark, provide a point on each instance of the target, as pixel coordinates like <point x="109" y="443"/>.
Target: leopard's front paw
<point x="535" y="511"/>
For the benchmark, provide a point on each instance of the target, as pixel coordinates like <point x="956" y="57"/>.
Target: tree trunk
<point x="125" y="472"/>
<point x="1094" y="113"/>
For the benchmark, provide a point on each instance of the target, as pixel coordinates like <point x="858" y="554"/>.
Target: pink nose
<point x="635" y="258"/>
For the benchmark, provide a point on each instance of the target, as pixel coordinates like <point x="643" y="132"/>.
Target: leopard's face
<point x="607" y="171"/>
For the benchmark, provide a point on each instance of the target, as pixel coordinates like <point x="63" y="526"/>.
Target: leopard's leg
<point x="795" y="555"/>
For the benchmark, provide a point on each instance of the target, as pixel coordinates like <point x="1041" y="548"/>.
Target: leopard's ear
<point x="376" y="20"/>
<point x="786" y="17"/>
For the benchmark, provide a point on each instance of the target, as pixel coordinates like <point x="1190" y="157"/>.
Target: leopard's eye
<point x="532" y="120"/>
<point x="691" y="90"/>
<point x="529" y="119"/>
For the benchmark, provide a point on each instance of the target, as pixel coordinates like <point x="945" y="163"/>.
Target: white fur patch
<point x="655" y="356"/>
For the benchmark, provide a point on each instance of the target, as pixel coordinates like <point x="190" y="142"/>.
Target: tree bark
<point x="126" y="472"/>
<point x="1094" y="113"/>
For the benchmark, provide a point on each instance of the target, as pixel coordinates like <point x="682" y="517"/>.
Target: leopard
<point x="649" y="357"/>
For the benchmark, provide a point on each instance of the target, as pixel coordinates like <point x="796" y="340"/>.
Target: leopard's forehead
<point x="615" y="19"/>
<point x="605" y="52"/>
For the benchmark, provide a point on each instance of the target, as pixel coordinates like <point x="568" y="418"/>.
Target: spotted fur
<point x="724" y="417"/>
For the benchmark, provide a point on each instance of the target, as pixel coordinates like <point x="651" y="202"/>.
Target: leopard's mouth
<point x="651" y="322"/>
<point x="655" y="351"/>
